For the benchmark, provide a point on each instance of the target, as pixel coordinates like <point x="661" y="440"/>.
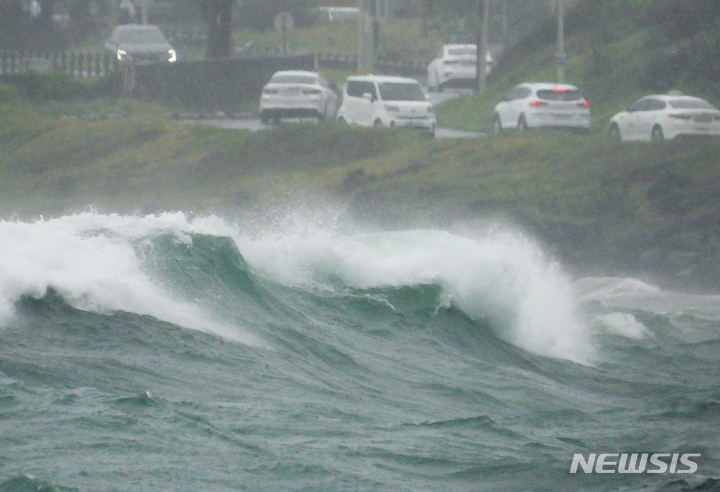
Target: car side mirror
<point x="368" y="97"/>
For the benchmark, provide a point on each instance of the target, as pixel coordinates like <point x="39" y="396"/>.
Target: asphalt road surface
<point x="255" y="124"/>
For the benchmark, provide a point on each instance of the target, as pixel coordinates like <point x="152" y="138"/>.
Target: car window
<point x="401" y="91"/>
<point x="656" y="105"/>
<point x="357" y="88"/>
<point x="641" y="105"/>
<point x="141" y="36"/>
<point x="462" y="51"/>
<point x="293" y="79"/>
<point x="691" y="104"/>
<point x="519" y="93"/>
<point x="559" y="94"/>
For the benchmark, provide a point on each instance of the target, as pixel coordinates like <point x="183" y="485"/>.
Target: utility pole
<point x="482" y="45"/>
<point x="366" y="48"/>
<point x="561" y="57"/>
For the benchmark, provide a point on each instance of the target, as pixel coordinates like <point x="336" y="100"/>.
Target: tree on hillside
<point x="218" y="17"/>
<point x="259" y="14"/>
<point x="11" y="22"/>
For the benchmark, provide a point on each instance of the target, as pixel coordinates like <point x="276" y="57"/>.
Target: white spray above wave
<point x="90" y="260"/>
<point x="502" y="277"/>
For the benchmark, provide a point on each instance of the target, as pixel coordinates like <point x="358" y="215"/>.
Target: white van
<point x="380" y="100"/>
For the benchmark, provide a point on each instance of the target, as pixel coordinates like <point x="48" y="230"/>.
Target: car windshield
<point x="559" y="94"/>
<point x="463" y="51"/>
<point x="691" y="104"/>
<point x="141" y="36"/>
<point x="401" y="91"/>
<point x="293" y="79"/>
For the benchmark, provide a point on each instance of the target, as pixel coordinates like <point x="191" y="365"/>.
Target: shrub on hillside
<point x="9" y="93"/>
<point x="682" y="18"/>
<point x="58" y="86"/>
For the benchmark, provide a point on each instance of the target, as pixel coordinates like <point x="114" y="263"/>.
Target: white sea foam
<point x="90" y="260"/>
<point x="623" y="324"/>
<point x="631" y="293"/>
<point x="502" y="277"/>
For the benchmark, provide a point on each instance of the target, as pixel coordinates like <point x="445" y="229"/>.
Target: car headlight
<point x="172" y="55"/>
<point x="392" y="107"/>
<point x="122" y="55"/>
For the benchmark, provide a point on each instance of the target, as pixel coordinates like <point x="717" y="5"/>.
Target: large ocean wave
<point x="178" y="269"/>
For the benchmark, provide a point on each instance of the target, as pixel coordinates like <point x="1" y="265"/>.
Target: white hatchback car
<point x="534" y="105"/>
<point x="455" y="65"/>
<point x="660" y="116"/>
<point x="298" y="93"/>
<point x="382" y="100"/>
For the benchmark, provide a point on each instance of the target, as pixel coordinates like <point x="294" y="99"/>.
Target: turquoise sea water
<point x="166" y="352"/>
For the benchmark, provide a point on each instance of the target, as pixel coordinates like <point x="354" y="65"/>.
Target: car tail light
<point x="584" y="104"/>
<point x="308" y="92"/>
<point x="558" y="90"/>
<point x="680" y="116"/>
<point x="538" y="103"/>
<point x="270" y="91"/>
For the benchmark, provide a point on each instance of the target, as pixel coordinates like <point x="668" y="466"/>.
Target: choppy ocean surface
<point x="169" y="352"/>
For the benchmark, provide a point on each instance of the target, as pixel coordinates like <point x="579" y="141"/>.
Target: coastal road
<point x="255" y="124"/>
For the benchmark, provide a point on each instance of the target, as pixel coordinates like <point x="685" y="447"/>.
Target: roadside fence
<point x="86" y="65"/>
<point x="77" y="64"/>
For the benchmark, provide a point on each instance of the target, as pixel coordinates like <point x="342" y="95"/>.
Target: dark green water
<point x="164" y="353"/>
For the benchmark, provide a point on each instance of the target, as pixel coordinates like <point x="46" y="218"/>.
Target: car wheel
<point x="440" y="88"/>
<point x="614" y="133"/>
<point x="378" y="124"/>
<point x="342" y="121"/>
<point x="497" y="125"/>
<point x="522" y="123"/>
<point x="264" y="118"/>
<point x="657" y="134"/>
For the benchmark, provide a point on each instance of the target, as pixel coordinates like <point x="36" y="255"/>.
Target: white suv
<point x="379" y="100"/>
<point x="533" y="105"/>
<point x="455" y="65"/>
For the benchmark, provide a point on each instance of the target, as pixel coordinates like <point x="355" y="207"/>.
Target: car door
<point x="514" y="106"/>
<point x="630" y="129"/>
<point x="506" y="109"/>
<point x="351" y="101"/>
<point x="365" y="113"/>
<point x="647" y="118"/>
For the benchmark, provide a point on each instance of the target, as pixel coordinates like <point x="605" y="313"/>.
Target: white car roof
<point x="295" y="72"/>
<point x="539" y="86"/>
<point x="382" y="78"/>
<point x="667" y="97"/>
<point x="136" y="27"/>
<point x="459" y="45"/>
